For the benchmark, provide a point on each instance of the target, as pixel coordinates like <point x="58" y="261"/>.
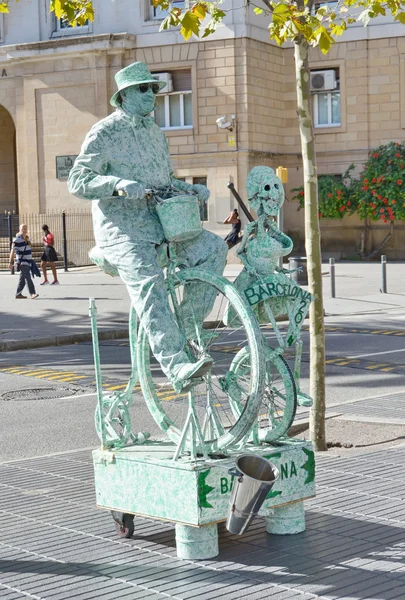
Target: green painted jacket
<point x="122" y="147"/>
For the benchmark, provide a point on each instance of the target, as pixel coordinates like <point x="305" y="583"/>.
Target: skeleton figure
<point x="262" y="246"/>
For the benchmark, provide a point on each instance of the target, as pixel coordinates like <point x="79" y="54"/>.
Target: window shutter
<point x="181" y="80"/>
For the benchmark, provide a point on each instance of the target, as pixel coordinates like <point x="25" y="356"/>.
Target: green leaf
<point x="400" y="17"/>
<point x="200" y="10"/>
<point x="325" y="41"/>
<point x="190" y="24"/>
<point x="258" y="11"/>
<point x="56" y="6"/>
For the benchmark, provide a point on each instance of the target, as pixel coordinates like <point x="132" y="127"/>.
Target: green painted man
<point x="123" y="156"/>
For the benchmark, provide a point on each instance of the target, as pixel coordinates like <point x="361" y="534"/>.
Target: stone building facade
<point x="56" y="83"/>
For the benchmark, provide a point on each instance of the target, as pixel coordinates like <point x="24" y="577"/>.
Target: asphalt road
<point x="51" y="408"/>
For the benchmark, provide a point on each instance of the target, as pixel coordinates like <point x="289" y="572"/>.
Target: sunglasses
<point x="143" y="87"/>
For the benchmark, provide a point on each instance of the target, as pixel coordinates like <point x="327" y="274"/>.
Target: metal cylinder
<point x="384" y="274"/>
<point x="300" y="263"/>
<point x="255" y="478"/>
<point x="332" y="277"/>
<point x="197" y="543"/>
<point x="65" y="257"/>
<point x="288" y="519"/>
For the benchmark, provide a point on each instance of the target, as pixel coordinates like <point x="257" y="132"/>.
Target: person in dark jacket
<point x="233" y="219"/>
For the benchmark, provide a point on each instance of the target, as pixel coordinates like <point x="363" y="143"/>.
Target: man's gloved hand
<point x="131" y="189"/>
<point x="202" y="191"/>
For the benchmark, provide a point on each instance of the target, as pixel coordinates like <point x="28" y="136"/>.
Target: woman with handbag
<point x="49" y="256"/>
<point x="22" y="248"/>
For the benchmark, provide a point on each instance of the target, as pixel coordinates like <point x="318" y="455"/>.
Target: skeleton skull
<point x="265" y="191"/>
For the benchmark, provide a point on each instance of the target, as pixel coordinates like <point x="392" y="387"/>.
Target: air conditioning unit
<point x="167" y="77"/>
<point x="323" y="80"/>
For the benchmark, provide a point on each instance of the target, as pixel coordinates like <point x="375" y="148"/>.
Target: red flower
<point x="393" y="201"/>
<point x="385" y="201"/>
<point x="375" y="155"/>
<point x="399" y="182"/>
<point x="381" y="210"/>
<point x="392" y="217"/>
<point x="379" y="197"/>
<point x="402" y="166"/>
<point x="365" y="188"/>
<point x="330" y="195"/>
<point x="349" y="204"/>
<point x="374" y="180"/>
<point x="365" y="180"/>
<point x="319" y="215"/>
<point x="301" y="193"/>
<point x="398" y="155"/>
<point x="342" y="208"/>
<point x="373" y="214"/>
<point x="339" y="192"/>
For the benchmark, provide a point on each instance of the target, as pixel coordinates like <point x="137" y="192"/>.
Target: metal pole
<point x="280" y="225"/>
<point x="240" y="202"/>
<point x="10" y="229"/>
<point x="65" y="258"/>
<point x="383" y="289"/>
<point x="332" y="277"/>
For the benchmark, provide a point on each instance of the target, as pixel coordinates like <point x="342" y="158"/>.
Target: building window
<point x="64" y="28"/>
<point x="157" y="14"/>
<point x="201" y="181"/>
<point x="174" y="108"/>
<point x="326" y="97"/>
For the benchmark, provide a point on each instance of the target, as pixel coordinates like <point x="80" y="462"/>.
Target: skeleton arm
<point x="241" y="251"/>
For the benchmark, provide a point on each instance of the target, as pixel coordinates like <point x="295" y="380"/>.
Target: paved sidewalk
<point x="60" y="314"/>
<point x="56" y="545"/>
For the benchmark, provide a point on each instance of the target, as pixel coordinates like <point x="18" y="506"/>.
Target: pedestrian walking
<point x="233" y="219"/>
<point x="49" y="256"/>
<point x="22" y="248"/>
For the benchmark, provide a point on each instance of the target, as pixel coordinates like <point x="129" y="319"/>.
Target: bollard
<point x="65" y="259"/>
<point x="298" y="264"/>
<point x="383" y="289"/>
<point x="332" y="277"/>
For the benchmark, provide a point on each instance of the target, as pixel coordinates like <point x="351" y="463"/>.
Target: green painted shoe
<point x="303" y="399"/>
<point x="188" y="372"/>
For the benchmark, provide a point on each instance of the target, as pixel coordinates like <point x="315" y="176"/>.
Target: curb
<point x="61" y="340"/>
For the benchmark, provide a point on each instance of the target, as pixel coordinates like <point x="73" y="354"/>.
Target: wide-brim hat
<point x="134" y="74"/>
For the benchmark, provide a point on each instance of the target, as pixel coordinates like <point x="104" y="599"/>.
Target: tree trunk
<point x="313" y="247"/>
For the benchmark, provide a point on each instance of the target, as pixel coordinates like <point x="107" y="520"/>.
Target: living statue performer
<point x="122" y="158"/>
<point x="262" y="246"/>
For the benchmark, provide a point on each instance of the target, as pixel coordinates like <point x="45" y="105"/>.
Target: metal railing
<point x="73" y="231"/>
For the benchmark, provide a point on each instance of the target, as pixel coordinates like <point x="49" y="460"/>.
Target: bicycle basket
<point x="180" y="218"/>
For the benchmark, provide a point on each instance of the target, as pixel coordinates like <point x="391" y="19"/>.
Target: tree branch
<point x="268" y="5"/>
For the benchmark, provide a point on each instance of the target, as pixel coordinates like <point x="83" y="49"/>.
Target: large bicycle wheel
<point x="278" y="404"/>
<point x="224" y="407"/>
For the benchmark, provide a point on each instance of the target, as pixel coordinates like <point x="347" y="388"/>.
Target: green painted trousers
<point x="137" y="264"/>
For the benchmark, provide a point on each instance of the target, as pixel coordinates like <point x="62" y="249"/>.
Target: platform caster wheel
<point x="124" y="524"/>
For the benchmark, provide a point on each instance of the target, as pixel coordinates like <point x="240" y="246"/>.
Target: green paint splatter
<point x="274" y="455"/>
<point x="204" y="489"/>
<point x="273" y="494"/>
<point x="309" y="466"/>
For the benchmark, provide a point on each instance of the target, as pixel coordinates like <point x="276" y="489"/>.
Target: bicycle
<point x="248" y="394"/>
